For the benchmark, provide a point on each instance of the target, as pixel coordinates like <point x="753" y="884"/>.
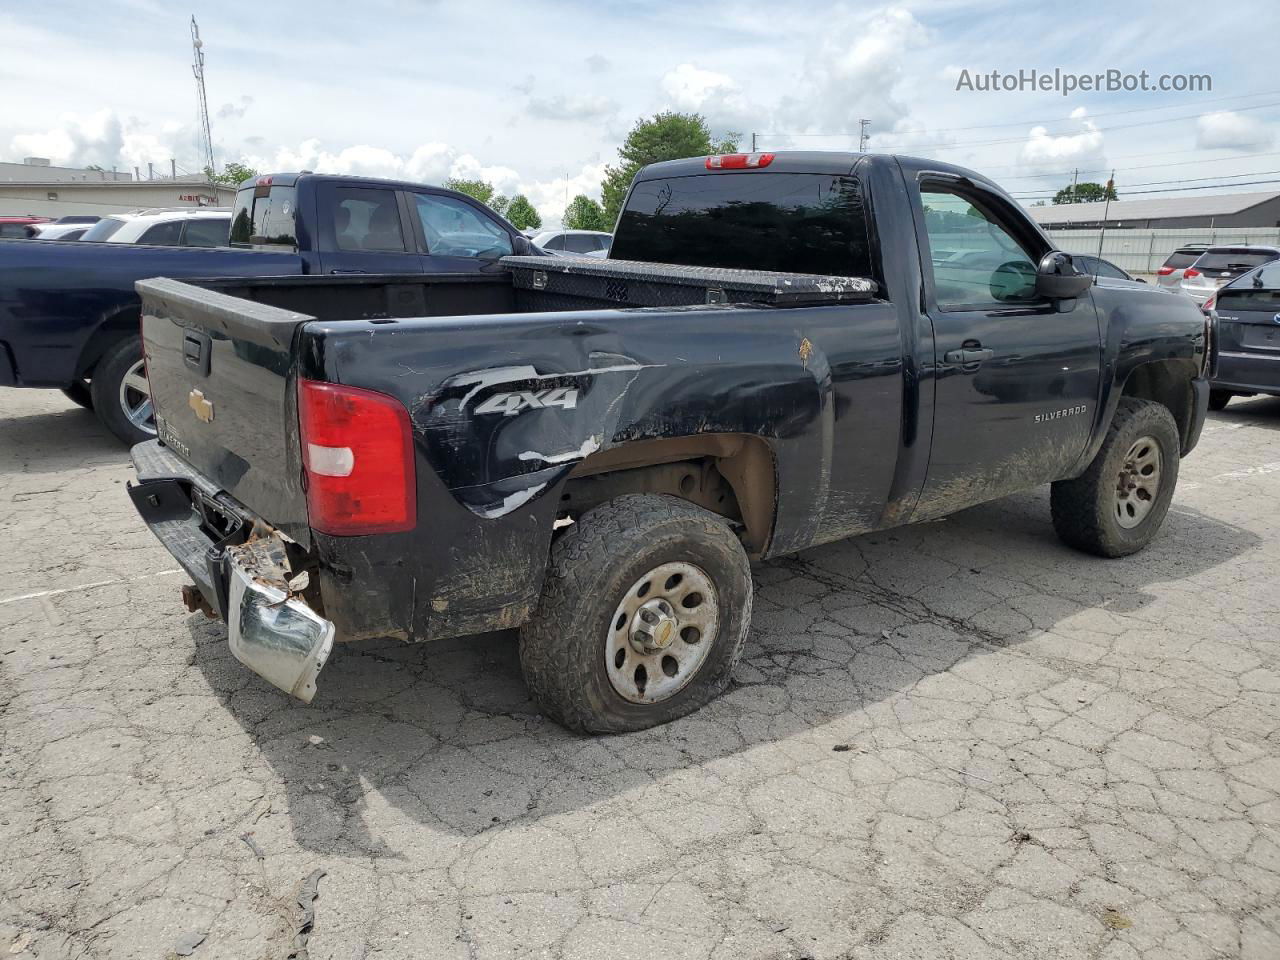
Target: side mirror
<point x="1057" y="277"/>
<point x="523" y="247"/>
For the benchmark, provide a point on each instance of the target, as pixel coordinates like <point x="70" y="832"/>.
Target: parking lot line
<point x="85" y="586"/>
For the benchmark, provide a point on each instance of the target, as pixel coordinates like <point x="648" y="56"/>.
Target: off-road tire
<point x="105" y="390"/>
<point x="1218" y="399"/>
<point x="594" y="563"/>
<point x="79" y="394"/>
<point x="1084" y="508"/>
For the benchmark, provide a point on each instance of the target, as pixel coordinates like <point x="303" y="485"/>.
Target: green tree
<point x="476" y="189"/>
<point x="583" y="213"/>
<point x="500" y="204"/>
<point x="665" y="136"/>
<point x="522" y="214"/>
<point x="233" y="174"/>
<point x="1085" y="193"/>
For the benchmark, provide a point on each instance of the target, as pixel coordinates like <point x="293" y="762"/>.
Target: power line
<point x="1092" y="129"/>
<point x="1130" y="193"/>
<point x="1023" y="123"/>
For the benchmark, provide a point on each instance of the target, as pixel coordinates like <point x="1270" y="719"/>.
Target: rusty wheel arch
<point x="731" y="474"/>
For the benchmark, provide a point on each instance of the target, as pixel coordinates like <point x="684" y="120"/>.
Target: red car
<point x="19" y="228"/>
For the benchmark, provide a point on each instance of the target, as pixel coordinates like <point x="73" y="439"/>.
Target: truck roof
<point x="803" y="161"/>
<point x="291" y="179"/>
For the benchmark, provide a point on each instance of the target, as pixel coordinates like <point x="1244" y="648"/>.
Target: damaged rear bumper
<point x="240" y="567"/>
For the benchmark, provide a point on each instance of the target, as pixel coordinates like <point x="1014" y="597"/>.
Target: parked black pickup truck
<point x="591" y="450"/>
<point x="69" y="311"/>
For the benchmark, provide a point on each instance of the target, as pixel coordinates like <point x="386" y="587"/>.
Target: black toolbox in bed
<point x="584" y="282"/>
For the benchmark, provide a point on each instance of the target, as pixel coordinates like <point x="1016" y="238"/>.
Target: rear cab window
<point x="264" y="216"/>
<point x="789" y="222"/>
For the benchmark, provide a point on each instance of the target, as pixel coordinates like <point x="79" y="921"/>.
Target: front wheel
<point x="121" y="394"/>
<point x="643" y="615"/>
<point x="1116" y="506"/>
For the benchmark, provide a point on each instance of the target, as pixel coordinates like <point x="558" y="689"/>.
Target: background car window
<point x="366" y="219"/>
<point x="162" y="234"/>
<point x="206" y="232"/>
<point x="1181" y="259"/>
<point x="103" y="228"/>
<point x="1102" y="268"/>
<point x="555" y="243"/>
<point x="975" y="260"/>
<point x="581" y="243"/>
<point x="456" y="229"/>
<point x="13" y="231"/>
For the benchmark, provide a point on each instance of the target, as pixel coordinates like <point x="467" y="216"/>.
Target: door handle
<point x="968" y="355"/>
<point x="347" y="271"/>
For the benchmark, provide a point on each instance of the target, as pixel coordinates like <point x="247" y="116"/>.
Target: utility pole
<point x="862" y="135"/>
<point x="173" y="169"/>
<point x="1074" y="175"/>
<point x="197" y="68"/>
<point x="753" y="141"/>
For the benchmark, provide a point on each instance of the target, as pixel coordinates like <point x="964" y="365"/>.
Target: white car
<point x="574" y="243"/>
<point x="61" y="231"/>
<point x="187" y="227"/>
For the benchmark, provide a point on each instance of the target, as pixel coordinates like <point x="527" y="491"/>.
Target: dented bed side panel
<point x="504" y="407"/>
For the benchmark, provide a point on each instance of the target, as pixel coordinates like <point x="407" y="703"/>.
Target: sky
<point x="536" y="96"/>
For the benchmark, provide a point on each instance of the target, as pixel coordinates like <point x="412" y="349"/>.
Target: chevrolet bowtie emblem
<point x="203" y="408"/>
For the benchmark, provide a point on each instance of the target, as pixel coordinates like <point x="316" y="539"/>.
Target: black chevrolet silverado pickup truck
<point x="592" y="450"/>
<point x="69" y="311"/>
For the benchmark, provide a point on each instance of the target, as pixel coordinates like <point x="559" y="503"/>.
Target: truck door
<point x="364" y="230"/>
<point x="1016" y="376"/>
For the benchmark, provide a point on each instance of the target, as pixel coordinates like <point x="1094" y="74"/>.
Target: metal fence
<point x="1143" y="251"/>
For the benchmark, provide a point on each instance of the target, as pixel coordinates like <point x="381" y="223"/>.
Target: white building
<point x="36" y="188"/>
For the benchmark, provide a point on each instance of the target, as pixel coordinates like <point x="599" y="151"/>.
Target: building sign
<point x="199" y="199"/>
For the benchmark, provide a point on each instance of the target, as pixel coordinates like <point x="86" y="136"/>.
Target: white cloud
<point x="105" y="140"/>
<point x="855" y="70"/>
<point x="571" y="108"/>
<point x="1227" y="130"/>
<point x="549" y="196"/>
<point x="598" y="64"/>
<point x="1043" y="149"/>
<point x="716" y="96"/>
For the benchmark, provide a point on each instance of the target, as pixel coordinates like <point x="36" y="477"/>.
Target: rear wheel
<point x="79" y="394"/>
<point x="643" y="615"/>
<point x="1219" y="399"/>
<point x="121" y="395"/>
<point x="1116" y="506"/>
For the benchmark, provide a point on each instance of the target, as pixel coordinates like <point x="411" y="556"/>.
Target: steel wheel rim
<point x="1138" y="485"/>
<point x="135" y="398"/>
<point x="661" y="633"/>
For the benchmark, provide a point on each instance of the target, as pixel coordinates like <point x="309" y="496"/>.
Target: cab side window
<point x="975" y="260"/>
<point x="367" y="220"/>
<point x="453" y="228"/>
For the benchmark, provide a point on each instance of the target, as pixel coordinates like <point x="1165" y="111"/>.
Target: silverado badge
<point x="203" y="408"/>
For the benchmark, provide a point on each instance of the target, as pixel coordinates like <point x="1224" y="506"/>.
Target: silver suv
<point x="1218" y="266"/>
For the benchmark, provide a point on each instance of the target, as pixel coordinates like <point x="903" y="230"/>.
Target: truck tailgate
<point x="220" y="373"/>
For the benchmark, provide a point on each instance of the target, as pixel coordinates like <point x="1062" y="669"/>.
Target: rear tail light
<point x="357" y="448"/>
<point x="1209" y="304"/>
<point x="1190" y="272"/>
<point x="739" y="161"/>
<point x="1165" y="271"/>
